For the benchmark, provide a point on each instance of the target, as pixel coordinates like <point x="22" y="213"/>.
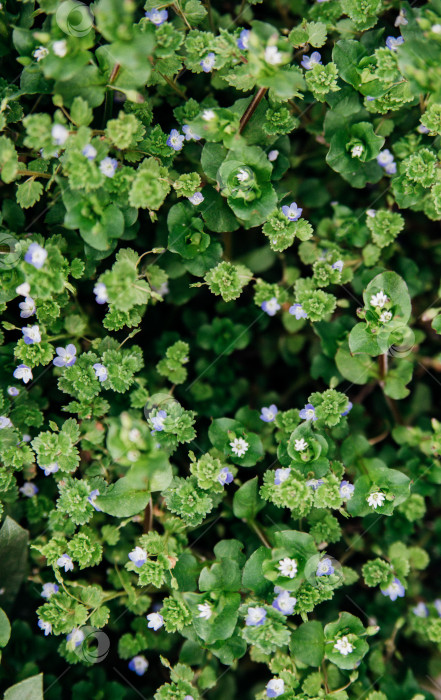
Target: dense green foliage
<point x="220" y="431"/>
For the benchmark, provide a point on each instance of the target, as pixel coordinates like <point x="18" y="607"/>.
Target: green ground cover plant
<point x="220" y="426"/>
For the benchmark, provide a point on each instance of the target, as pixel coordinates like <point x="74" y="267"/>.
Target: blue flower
<point x="243" y="39"/>
<point x="31" y="334"/>
<point x="13" y="391"/>
<point x="158" y="421"/>
<point x="49" y="589"/>
<point x="196" y="198"/>
<point x="66" y="356"/>
<point x="394" y="590"/>
<point x="5" y="422"/>
<point x="346" y="490"/>
<point x="298" y="311"/>
<point x="36" y="255"/>
<point x="28" y="489"/>
<point x="276" y="686"/>
<point x="23" y="289"/>
<point x="190" y="135"/>
<point x="269" y="413"/>
<point x="100" y="371"/>
<point x="175" y="140"/>
<point x="349" y="408"/>
<point x="273" y="155"/>
<point x="100" y="292"/>
<point x="421" y="610"/>
<point x="281" y="475"/>
<point x="338" y="265"/>
<point x="207" y="63"/>
<point x="139" y="665"/>
<point x="27" y="307"/>
<point x="138" y="556"/>
<point x="157" y="17"/>
<point x="108" y="166"/>
<point x="45" y="626"/>
<point x="255" y="617"/>
<point x="314" y="483"/>
<point x="293" y="212"/>
<point x="89" y="151"/>
<point x="308" y="413"/>
<point x="92" y="497"/>
<point x="386" y="160"/>
<point x="23" y="372"/>
<point x="51" y="468"/>
<point x="66" y="561"/>
<point x="270" y="307"/>
<point x="75" y="638"/>
<point x="309" y="61"/>
<point x="324" y="567"/>
<point x="393" y="42"/>
<point x="437" y="604"/>
<point x="225" y="476"/>
<point x="284" y="603"/>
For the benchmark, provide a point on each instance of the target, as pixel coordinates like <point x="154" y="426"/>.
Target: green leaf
<point x="347" y="54"/>
<point x="316" y="33"/>
<point x="222" y="576"/>
<point x="308" y="643"/>
<point x="28" y="193"/>
<point x="246" y="501"/>
<point x="80" y="112"/>
<point x="13" y="555"/>
<point x="122" y="500"/>
<point x="29" y="689"/>
<point x="5" y="628"/>
<point x="252" y="576"/>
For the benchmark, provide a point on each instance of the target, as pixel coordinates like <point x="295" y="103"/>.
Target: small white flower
<point x="60" y="48"/>
<point x="288" y="567"/>
<point x="59" y="134"/>
<point x="239" y="446"/>
<point x="208" y="115"/>
<point x="344" y="646"/>
<point x="385" y="316"/>
<point x="242" y="175"/>
<point x="401" y="18"/>
<point x="300" y="445"/>
<point x="379" y="300"/>
<point x="273" y="55"/>
<point x="273" y="155"/>
<point x="376" y="499"/>
<point x="134" y="435"/>
<point x="205" y="611"/>
<point x="24" y="289"/>
<point x="436" y="28"/>
<point x="5" y="422"/>
<point x="40" y="53"/>
<point x="371" y="213"/>
<point x="357" y="151"/>
<point x="155" y="621"/>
